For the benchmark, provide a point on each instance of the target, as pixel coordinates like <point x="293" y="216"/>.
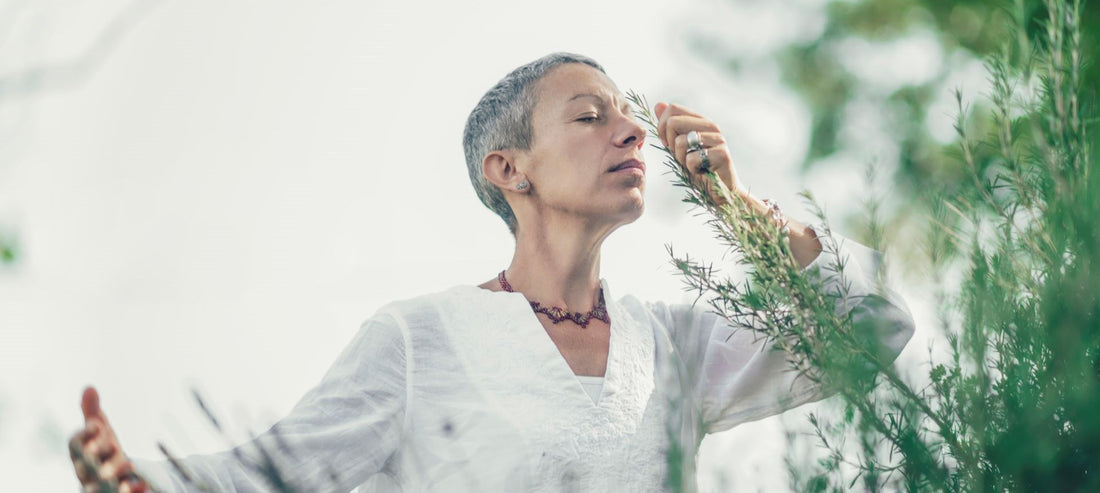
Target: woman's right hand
<point x="97" y="456"/>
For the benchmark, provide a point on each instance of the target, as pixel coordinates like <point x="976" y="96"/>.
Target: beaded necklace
<point x="558" y="314"/>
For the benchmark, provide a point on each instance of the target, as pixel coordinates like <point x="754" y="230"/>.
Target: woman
<point x="536" y="379"/>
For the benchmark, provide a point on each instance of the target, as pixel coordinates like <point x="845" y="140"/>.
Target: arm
<point x="338" y="435"/>
<point x="738" y="378"/>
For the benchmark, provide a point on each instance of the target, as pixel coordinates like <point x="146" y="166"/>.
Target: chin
<point x="633" y="212"/>
<point x="623" y="209"/>
<point x="640" y="209"/>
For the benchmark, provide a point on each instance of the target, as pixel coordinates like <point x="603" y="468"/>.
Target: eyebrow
<point x="586" y="95"/>
<point x="594" y="96"/>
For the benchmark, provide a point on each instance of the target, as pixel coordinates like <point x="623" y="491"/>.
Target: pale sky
<point x="237" y="185"/>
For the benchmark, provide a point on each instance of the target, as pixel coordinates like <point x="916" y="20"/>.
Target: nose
<point x="631" y="133"/>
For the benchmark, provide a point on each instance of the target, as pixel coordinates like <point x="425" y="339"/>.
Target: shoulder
<point x="431" y="310"/>
<point x="670" y="315"/>
<point x="687" y="327"/>
<point x="656" y="312"/>
<point x="430" y="301"/>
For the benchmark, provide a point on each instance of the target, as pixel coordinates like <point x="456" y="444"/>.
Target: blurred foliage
<point x="1006" y="217"/>
<point x="7" y="251"/>
<point x="1012" y="405"/>
<point x="817" y="71"/>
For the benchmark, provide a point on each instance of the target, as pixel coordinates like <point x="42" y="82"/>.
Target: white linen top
<point x="463" y="390"/>
<point x="593" y="386"/>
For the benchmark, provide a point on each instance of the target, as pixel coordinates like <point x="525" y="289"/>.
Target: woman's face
<point x="585" y="158"/>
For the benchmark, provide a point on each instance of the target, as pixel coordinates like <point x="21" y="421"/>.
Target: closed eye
<point x="588" y="119"/>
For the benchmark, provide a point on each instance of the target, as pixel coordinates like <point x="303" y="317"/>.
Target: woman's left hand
<point x="674" y="122"/>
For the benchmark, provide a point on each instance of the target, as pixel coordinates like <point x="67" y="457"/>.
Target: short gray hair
<point x="502" y="120"/>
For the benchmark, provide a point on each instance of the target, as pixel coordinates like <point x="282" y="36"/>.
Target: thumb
<point x="659" y="108"/>
<point x="89" y="403"/>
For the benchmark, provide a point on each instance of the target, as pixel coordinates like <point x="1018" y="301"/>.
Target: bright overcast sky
<point x="238" y="185"/>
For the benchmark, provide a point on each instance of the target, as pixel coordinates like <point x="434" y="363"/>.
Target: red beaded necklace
<point x="559" y="314"/>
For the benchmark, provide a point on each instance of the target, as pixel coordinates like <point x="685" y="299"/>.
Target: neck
<point x="558" y="264"/>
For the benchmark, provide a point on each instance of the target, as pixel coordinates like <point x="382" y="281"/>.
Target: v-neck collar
<point x="530" y="358"/>
<point x="529" y="327"/>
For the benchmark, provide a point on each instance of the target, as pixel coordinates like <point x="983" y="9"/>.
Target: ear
<point x="500" y="169"/>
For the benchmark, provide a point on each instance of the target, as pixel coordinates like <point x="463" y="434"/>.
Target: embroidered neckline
<point x="558" y="314"/>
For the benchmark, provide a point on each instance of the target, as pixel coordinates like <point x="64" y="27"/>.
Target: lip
<point x="629" y="164"/>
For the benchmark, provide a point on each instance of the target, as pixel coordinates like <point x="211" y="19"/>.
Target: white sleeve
<point x="739" y="378"/>
<point x="338" y="435"/>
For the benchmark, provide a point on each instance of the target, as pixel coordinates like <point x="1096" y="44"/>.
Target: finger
<point x="95" y="420"/>
<point x="661" y="118"/>
<point x="133" y="486"/>
<point x="682" y="124"/>
<point x="683" y="110"/>
<point x="668" y="111"/>
<point x="659" y="108"/>
<point x="115" y="467"/>
<point x="694" y="162"/>
<point x="84" y="461"/>
<point x="106" y="452"/>
<point x="101" y="449"/>
<point x="91" y="432"/>
<point x="721" y="163"/>
<point x="89" y="403"/>
<point x="717" y="157"/>
<point x="91" y="450"/>
<point x="722" y="167"/>
<point x="680" y="146"/>
<point x="674" y="110"/>
<point x="707" y="184"/>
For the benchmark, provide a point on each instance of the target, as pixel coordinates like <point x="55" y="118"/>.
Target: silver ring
<point x="695" y="142"/>
<point x="704" y="161"/>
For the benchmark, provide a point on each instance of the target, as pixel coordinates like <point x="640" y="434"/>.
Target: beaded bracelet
<point x="777" y="216"/>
